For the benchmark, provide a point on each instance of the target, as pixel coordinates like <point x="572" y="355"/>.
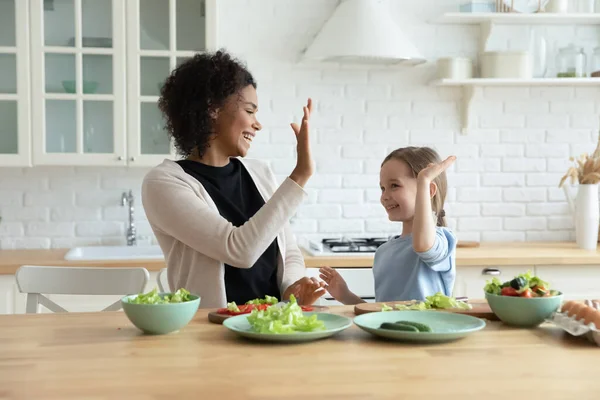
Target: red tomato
<point x="509" y="291"/>
<point x="307" y="308"/>
<point x="526" y="293"/>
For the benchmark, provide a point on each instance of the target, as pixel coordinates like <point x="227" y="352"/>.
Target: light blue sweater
<point x="403" y="274"/>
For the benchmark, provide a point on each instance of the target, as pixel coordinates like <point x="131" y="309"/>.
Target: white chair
<point x="36" y="281"/>
<point x="162" y="281"/>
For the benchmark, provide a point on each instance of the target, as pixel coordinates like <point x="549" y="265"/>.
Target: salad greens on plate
<point x="287" y="318"/>
<point x="437" y="301"/>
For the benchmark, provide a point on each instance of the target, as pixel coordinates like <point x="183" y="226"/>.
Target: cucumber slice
<point x="398" y="327"/>
<point x="420" y="327"/>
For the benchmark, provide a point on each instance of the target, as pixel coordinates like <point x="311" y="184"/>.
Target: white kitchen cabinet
<point x="359" y="280"/>
<point x="470" y="280"/>
<point x="78" y="82"/>
<point x="96" y="70"/>
<point x="577" y="282"/>
<point x="15" y="143"/>
<point x="160" y="36"/>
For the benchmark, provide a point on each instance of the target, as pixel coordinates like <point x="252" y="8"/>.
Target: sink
<point x="115" y="253"/>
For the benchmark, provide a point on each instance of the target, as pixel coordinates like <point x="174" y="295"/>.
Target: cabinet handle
<point x="132" y="159"/>
<point x="490" y="271"/>
<point x="120" y="158"/>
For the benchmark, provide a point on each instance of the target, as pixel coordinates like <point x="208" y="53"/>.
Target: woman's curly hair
<point x="194" y="89"/>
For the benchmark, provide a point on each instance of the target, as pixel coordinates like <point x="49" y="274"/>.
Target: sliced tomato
<point x="307" y="308"/>
<point x="509" y="291"/>
<point x="526" y="293"/>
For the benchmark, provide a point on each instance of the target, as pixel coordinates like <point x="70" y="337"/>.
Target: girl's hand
<point x="306" y="290"/>
<point x="336" y="285"/>
<point x="434" y="169"/>
<point x="304" y="163"/>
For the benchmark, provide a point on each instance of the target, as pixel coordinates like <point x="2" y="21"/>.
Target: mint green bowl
<point x="158" y="319"/>
<point x="522" y="311"/>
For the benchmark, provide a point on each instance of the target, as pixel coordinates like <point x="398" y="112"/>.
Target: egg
<point x="595" y="319"/>
<point x="575" y="309"/>
<point x="567" y="306"/>
<point x="586" y="314"/>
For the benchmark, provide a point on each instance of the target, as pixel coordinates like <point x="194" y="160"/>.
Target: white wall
<point x="504" y="185"/>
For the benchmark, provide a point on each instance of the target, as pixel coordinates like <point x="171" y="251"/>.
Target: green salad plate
<point x="333" y="324"/>
<point x="444" y="326"/>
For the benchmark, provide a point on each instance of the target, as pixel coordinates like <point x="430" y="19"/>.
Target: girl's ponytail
<point x="441" y="218"/>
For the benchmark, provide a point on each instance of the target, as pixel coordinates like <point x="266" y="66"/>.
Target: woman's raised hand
<point x="304" y="162"/>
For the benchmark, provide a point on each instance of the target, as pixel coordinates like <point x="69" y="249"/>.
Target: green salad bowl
<point x="159" y="319"/>
<point x="523" y="312"/>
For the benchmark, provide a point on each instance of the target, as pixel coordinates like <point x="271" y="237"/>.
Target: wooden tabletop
<point x="102" y="356"/>
<point x="488" y="254"/>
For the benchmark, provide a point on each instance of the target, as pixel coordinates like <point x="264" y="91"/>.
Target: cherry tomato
<point x="526" y="293"/>
<point x="509" y="291"/>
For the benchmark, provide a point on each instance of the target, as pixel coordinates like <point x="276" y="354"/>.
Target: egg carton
<point x="578" y="328"/>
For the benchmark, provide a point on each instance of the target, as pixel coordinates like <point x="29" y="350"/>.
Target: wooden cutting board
<point x="481" y="309"/>
<point x="217" y="318"/>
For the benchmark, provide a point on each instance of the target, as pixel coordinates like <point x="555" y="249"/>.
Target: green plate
<point x="333" y="324"/>
<point x="446" y="326"/>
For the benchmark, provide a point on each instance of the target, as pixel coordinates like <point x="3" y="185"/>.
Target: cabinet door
<point x="78" y="82"/>
<point x="15" y="147"/>
<point x="576" y="282"/>
<point x="161" y="35"/>
<point x="470" y="280"/>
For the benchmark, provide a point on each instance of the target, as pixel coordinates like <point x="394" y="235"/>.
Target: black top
<point x="237" y="199"/>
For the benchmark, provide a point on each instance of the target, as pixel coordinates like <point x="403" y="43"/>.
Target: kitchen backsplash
<point x="503" y="187"/>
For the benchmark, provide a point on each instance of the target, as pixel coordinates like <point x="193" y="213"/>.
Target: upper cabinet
<point x="78" y="82"/>
<point x="161" y="34"/>
<point x="15" y="145"/>
<point x="96" y="70"/>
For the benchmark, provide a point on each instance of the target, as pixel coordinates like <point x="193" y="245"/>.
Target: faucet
<point x="127" y="200"/>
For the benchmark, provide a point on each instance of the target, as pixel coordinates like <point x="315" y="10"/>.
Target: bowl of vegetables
<point x="524" y="301"/>
<point x="159" y="313"/>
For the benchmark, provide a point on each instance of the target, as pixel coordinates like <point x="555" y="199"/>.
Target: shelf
<point x="519" y="19"/>
<point x="471" y="86"/>
<point x="519" y="82"/>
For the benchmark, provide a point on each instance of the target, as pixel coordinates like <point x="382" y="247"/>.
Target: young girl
<point x="421" y="261"/>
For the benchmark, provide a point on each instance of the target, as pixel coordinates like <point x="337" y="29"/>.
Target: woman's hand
<point x="306" y="290"/>
<point x="428" y="174"/>
<point x="304" y="163"/>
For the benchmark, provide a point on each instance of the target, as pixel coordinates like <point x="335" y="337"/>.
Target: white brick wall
<point x="503" y="186"/>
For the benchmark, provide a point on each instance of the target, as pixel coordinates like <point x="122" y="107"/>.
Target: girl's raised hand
<point x="434" y="169"/>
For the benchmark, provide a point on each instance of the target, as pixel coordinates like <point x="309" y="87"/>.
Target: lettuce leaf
<point x="288" y="318"/>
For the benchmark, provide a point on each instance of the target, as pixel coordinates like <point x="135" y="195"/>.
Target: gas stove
<point x="344" y="246"/>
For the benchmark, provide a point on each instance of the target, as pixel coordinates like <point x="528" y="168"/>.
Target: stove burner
<point x="353" y="245"/>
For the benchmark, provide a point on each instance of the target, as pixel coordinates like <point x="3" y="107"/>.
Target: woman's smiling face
<point x="236" y="125"/>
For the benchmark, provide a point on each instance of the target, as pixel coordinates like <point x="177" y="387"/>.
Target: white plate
<point x="526" y="6"/>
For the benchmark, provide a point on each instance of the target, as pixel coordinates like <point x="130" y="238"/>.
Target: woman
<point x="220" y="220"/>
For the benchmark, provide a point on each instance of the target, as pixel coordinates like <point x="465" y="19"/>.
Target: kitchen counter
<point x="488" y="254"/>
<point x="71" y="356"/>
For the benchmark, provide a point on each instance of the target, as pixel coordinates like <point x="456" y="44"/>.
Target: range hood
<point x="362" y="31"/>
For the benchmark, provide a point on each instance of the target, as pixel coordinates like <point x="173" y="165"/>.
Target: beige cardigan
<point x="197" y="241"/>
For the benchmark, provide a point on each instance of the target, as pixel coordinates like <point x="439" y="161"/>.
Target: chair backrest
<point x="37" y="281"/>
<point x="162" y="281"/>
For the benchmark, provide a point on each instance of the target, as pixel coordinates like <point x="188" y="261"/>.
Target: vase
<point x="587" y="216"/>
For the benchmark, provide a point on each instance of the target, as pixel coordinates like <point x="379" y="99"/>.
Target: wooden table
<point x="102" y="356"/>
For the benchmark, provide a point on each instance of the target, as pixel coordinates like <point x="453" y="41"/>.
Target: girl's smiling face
<point x="398" y="190"/>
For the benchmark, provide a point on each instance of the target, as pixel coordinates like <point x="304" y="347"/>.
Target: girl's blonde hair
<point x="418" y="158"/>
